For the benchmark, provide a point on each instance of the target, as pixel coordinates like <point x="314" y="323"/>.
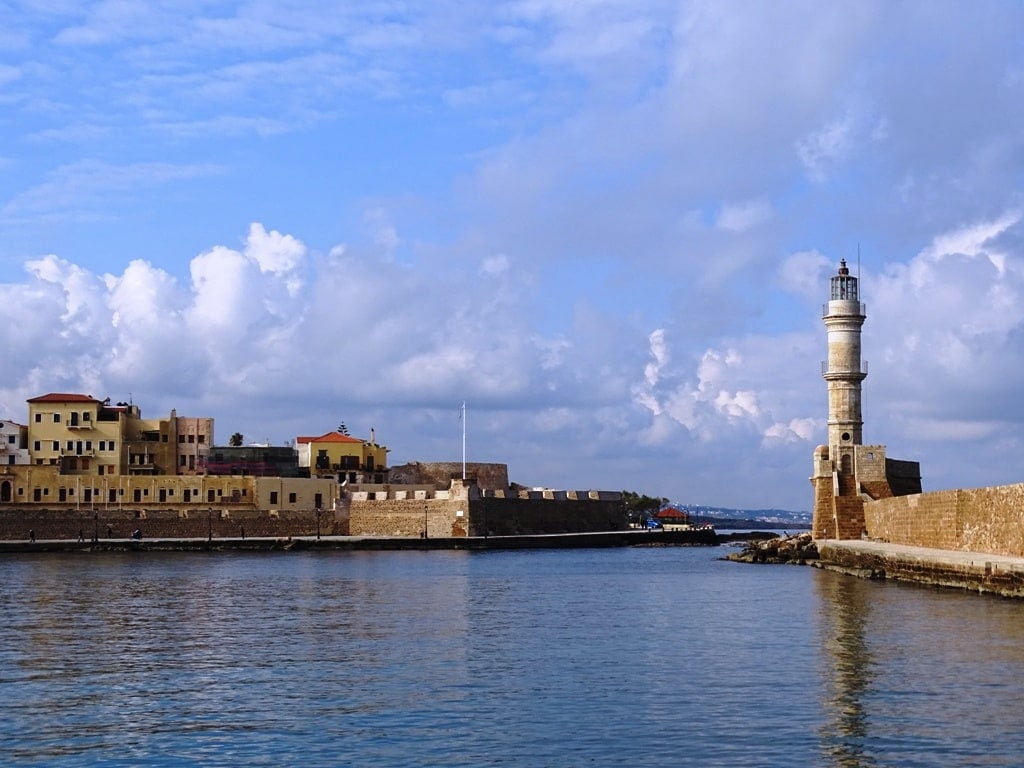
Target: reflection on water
<point x="640" y="657"/>
<point x="917" y="676"/>
<point x="848" y="670"/>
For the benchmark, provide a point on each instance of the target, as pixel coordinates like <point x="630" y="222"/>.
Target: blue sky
<point x="607" y="225"/>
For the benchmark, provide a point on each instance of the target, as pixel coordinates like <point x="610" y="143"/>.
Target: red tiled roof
<point x="329" y="437"/>
<point x="670" y="513"/>
<point x="62" y="397"/>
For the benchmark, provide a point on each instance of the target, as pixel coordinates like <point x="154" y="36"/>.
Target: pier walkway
<point x="974" y="571"/>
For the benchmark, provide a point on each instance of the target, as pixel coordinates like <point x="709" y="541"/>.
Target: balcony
<point x="862" y="309"/>
<point x="861" y="370"/>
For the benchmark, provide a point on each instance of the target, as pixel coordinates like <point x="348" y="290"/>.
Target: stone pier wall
<point x="991" y="574"/>
<point x="968" y="520"/>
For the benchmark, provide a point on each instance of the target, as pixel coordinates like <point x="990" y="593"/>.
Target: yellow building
<point x="348" y="458"/>
<point x="84" y="436"/>
<point x="78" y="434"/>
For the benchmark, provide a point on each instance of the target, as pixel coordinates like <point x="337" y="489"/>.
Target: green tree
<point x="236" y="440"/>
<point x="343" y="429"/>
<point x="641" y="507"/>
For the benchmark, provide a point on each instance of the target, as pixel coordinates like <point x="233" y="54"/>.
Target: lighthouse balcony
<point x="860" y="369"/>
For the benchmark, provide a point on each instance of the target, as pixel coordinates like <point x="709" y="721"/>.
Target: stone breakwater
<point x="972" y="571"/>
<point x="798" y="550"/>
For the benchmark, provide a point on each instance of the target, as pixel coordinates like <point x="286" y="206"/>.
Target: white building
<point x="13" y="443"/>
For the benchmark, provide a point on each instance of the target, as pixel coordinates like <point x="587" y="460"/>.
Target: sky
<point x="606" y="226"/>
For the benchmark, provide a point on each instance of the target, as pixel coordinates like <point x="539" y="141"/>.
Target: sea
<point x="660" y="656"/>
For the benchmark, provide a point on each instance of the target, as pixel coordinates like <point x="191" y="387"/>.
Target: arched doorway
<point x="6" y="492"/>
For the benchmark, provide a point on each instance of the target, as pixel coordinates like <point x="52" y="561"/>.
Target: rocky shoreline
<point x="798" y="549"/>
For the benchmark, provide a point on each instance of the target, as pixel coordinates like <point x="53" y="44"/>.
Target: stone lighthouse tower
<point x="847" y="473"/>
<point x="838" y="507"/>
<point x="844" y="316"/>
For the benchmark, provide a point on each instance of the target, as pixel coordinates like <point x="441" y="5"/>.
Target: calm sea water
<point x="629" y="657"/>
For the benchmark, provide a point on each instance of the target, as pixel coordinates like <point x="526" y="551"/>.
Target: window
<point x="10" y="439"/>
<point x="71" y="445"/>
<point x="182" y="462"/>
<point x="88" y="445"/>
<point x="181" y="438"/>
<point x="110" y="445"/>
<point x="86" y="417"/>
<point x="56" y="445"/>
<point x="56" y="418"/>
<point x="202" y="438"/>
<point x="191" y="438"/>
<point x="35" y="446"/>
<point x="273" y="497"/>
<point x="291" y="498"/>
<point x="39" y="417"/>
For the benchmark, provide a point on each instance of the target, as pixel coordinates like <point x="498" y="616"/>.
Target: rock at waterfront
<point x="798" y="549"/>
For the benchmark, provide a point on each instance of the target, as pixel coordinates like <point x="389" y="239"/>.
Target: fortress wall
<point x="973" y="520"/>
<point x="515" y="516"/>
<point x="409" y="517"/>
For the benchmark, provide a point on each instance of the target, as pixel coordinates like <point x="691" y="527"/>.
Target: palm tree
<point x="235" y="440"/>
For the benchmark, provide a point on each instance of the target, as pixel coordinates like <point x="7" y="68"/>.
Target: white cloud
<point x="273" y="251"/>
<point x="825" y="147"/>
<point x="740" y="217"/>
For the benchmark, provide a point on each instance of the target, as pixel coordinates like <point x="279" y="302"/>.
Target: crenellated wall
<point x="568" y="512"/>
<point x="466" y="510"/>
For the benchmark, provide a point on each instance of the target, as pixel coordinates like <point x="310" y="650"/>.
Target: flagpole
<point x="463" y="439"/>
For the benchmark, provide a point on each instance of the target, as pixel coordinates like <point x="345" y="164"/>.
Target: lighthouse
<point x="844" y="315"/>
<point x="848" y="473"/>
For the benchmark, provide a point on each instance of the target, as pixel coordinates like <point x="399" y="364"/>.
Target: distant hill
<point x="725" y="518"/>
